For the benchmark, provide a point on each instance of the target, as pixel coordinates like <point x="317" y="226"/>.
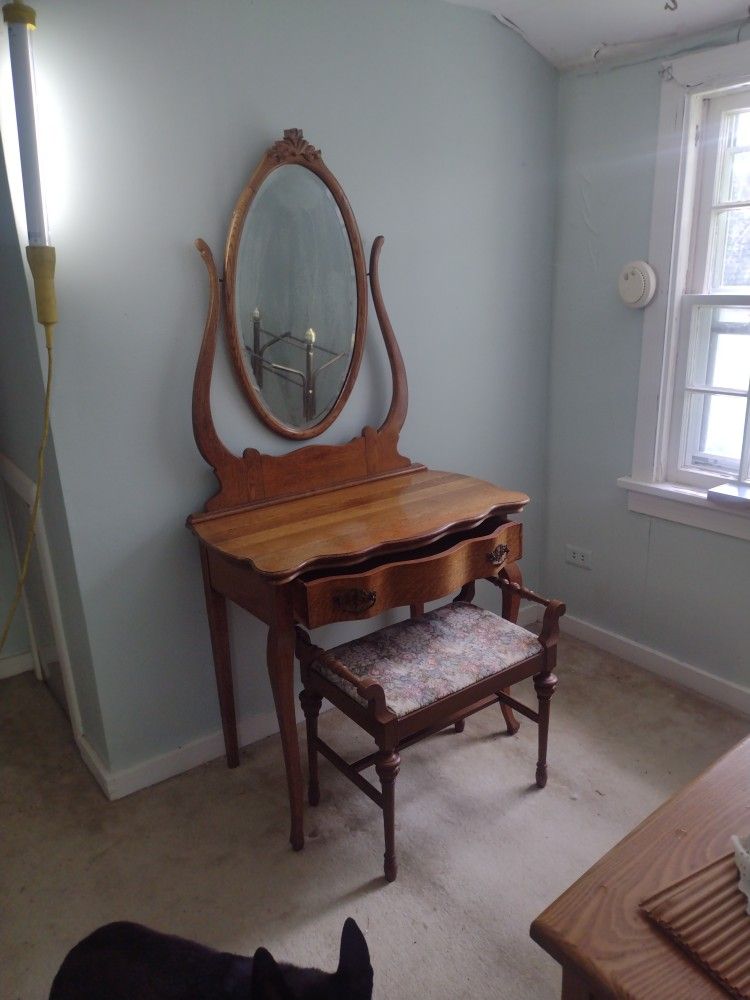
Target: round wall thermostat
<point x="637" y="284"/>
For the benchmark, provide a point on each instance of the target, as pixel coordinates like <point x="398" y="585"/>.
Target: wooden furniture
<point x="413" y="679"/>
<point x="596" y="930"/>
<point x="328" y="533"/>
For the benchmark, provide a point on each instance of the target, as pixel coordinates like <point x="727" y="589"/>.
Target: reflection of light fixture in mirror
<point x="21" y="21"/>
<point x="307" y="379"/>
<point x="308" y="403"/>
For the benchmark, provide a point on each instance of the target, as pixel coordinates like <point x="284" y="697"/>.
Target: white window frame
<point x="687" y="81"/>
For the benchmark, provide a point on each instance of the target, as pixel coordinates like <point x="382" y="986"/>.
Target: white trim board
<point x="118" y="784"/>
<point x="11" y="666"/>
<point x="683" y="675"/>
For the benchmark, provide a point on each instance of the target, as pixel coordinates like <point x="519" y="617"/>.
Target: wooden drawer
<point x="423" y="574"/>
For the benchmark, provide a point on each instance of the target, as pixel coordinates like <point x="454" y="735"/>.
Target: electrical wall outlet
<point x="578" y="557"/>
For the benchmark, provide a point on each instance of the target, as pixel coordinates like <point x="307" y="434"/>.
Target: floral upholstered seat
<point x="421" y="660"/>
<point x="412" y="680"/>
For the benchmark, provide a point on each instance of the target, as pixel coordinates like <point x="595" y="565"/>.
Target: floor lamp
<point x="21" y="21"/>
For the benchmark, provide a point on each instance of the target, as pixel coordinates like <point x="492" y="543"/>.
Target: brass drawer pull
<point x="355" y="601"/>
<point x="498" y="555"/>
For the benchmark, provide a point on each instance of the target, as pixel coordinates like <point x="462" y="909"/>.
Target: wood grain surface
<point x="394" y="583"/>
<point x="597" y="930"/>
<point x="706" y="914"/>
<point x="344" y="525"/>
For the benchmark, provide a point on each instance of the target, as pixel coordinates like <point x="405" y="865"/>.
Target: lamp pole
<point x="21" y="21"/>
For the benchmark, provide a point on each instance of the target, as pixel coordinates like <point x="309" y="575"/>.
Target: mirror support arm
<point x="396" y="415"/>
<point x="209" y="443"/>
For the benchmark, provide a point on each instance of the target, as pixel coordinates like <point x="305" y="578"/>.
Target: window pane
<point x="715" y="425"/>
<point x="739" y="129"/>
<point x="720" y="348"/>
<point x="724" y="425"/>
<point x="732" y="248"/>
<point x="739" y="183"/>
<point x="731" y="367"/>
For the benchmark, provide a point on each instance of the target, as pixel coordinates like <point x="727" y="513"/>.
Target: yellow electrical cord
<point x="48" y="332"/>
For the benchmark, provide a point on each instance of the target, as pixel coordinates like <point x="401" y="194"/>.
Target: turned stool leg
<point x="387" y="766"/>
<point x="510" y="719"/>
<point x="311" y="707"/>
<point x="460" y="725"/>
<point x="545" y="685"/>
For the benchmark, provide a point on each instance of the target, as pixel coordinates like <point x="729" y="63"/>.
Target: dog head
<point x="351" y="981"/>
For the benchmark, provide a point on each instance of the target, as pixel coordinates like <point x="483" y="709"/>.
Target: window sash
<point x="710" y="184"/>
<point x="687" y="460"/>
<point x="679" y="470"/>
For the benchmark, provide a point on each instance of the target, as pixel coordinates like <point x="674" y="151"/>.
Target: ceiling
<point x="577" y="32"/>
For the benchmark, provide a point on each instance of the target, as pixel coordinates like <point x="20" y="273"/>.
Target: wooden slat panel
<point x="706" y="915"/>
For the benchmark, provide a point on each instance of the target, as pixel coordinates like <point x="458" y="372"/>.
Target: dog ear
<point x="267" y="982"/>
<point x="354" y="956"/>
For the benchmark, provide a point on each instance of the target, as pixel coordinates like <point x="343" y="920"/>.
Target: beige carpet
<point x="481" y="853"/>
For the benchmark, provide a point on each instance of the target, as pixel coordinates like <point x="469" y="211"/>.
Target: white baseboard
<point x="117" y="784"/>
<point x="95" y="764"/>
<point x="683" y="675"/>
<point x="10" y="666"/>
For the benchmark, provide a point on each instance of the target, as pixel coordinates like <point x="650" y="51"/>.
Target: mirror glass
<point x="295" y="296"/>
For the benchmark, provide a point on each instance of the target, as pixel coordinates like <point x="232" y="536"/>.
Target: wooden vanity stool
<point x="414" y="679"/>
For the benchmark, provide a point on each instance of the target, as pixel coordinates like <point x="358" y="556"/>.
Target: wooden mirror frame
<point x="254" y="479"/>
<point x="292" y="149"/>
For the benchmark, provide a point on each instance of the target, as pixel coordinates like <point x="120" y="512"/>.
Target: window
<point x="693" y="431"/>
<point x="709" y="439"/>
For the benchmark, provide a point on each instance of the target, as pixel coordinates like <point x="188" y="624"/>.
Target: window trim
<point x="695" y="75"/>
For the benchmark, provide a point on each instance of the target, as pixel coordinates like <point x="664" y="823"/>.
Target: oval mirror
<point x="296" y="299"/>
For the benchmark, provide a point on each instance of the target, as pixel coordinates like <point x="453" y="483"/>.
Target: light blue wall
<point x="680" y="590"/>
<point x="439" y="123"/>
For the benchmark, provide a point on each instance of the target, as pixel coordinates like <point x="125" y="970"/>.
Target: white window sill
<point x="685" y="506"/>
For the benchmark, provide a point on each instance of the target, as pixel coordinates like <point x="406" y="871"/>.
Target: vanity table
<point x="323" y="533"/>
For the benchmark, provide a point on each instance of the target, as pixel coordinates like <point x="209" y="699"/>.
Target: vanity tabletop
<point x="283" y="538"/>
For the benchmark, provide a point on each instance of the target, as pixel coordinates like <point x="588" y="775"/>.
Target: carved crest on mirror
<point x="294" y="305"/>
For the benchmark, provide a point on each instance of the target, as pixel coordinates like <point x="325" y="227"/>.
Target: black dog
<point x="125" y="961"/>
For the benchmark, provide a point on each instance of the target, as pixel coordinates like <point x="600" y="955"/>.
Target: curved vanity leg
<point x="511" y="607"/>
<point x="509" y="715"/>
<point x="416" y="610"/>
<point x="216" y="610"/>
<point x="511" y="602"/>
<point x="466" y="593"/>
<point x="281" y="674"/>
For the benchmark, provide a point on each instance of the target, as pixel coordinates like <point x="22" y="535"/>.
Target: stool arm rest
<point x="554" y="610"/>
<point x="524" y="592"/>
<point x="366" y="687"/>
<point x="551" y="623"/>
